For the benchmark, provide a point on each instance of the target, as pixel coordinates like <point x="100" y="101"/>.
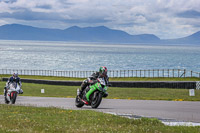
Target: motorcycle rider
<point x="13" y="78"/>
<point x="102" y="73"/>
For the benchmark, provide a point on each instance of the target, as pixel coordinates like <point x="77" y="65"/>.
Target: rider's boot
<point x="83" y="86"/>
<point x="21" y="91"/>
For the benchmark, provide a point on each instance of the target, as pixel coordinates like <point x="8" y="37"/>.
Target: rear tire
<point x="96" y="101"/>
<point x="78" y="102"/>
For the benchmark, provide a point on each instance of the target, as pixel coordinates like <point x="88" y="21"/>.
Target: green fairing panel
<point x="92" y="89"/>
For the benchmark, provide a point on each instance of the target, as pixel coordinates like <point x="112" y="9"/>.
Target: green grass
<point x="31" y="119"/>
<point x="50" y="120"/>
<point x="153" y="94"/>
<point x="111" y="79"/>
<point x="114" y="92"/>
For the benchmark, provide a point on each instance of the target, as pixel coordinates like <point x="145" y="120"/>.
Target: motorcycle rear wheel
<point x="96" y="101"/>
<point x="78" y="102"/>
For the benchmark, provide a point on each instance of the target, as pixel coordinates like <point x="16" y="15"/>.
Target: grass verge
<point x="114" y="92"/>
<point x="39" y="119"/>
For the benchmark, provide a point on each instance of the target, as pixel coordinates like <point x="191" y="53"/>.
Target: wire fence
<point x="111" y="73"/>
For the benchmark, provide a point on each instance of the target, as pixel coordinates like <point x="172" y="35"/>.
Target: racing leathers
<point x="11" y="80"/>
<point x="93" y="79"/>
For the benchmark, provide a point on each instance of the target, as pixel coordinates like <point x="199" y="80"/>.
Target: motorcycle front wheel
<point x="96" y="100"/>
<point x="13" y="98"/>
<point x="6" y="101"/>
<point x="78" y="102"/>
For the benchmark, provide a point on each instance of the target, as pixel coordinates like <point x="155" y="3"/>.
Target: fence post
<point x="113" y="73"/>
<point x="168" y="73"/>
<point x="153" y="73"/>
<point x="128" y="73"/>
<point x="178" y="72"/>
<point x="184" y="73"/>
<point x="132" y="72"/>
<point x="163" y="73"/>
<point x="136" y="73"/>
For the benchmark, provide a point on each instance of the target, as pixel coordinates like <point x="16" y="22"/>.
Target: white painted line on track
<point x="168" y="122"/>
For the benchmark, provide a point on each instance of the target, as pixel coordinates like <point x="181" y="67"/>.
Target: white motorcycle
<point x="11" y="94"/>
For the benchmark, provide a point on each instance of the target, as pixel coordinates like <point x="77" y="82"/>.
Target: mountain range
<point x="87" y="34"/>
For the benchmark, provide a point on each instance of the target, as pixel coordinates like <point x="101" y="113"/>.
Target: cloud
<point x="164" y="18"/>
<point x="8" y="1"/>
<point x="26" y="14"/>
<point x="44" y="6"/>
<point x="189" y="14"/>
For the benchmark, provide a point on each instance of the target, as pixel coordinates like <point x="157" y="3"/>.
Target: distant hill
<point x="192" y="39"/>
<point x="75" y="33"/>
<point x="87" y="34"/>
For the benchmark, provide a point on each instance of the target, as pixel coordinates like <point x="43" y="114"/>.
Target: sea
<point x="72" y="56"/>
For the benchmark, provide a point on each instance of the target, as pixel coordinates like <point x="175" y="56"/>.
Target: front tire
<point x="13" y="99"/>
<point x="6" y="101"/>
<point x="78" y="102"/>
<point x="96" y="100"/>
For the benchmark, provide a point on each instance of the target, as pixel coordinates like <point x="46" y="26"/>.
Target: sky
<point x="167" y="19"/>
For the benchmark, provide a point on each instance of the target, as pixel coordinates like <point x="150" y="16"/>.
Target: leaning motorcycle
<point x="92" y="95"/>
<point x="11" y="94"/>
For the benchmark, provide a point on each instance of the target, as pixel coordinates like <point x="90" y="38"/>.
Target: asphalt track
<point x="180" y="111"/>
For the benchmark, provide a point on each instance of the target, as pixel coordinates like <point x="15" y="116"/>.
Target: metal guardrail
<point x="111" y="73"/>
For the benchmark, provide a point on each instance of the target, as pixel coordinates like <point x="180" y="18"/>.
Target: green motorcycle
<point x="92" y="95"/>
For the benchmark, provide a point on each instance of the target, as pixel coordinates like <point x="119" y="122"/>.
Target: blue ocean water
<point x="36" y="55"/>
